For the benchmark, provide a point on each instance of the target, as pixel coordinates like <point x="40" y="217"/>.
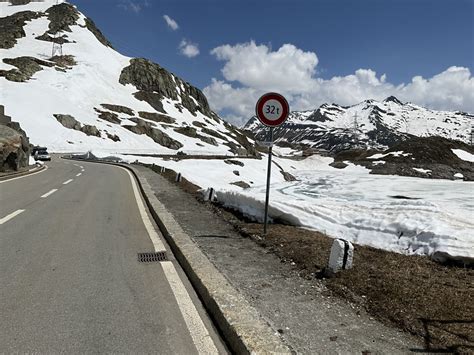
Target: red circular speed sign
<point x="272" y="109"/>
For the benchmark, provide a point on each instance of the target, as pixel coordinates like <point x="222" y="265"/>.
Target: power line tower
<point x="57" y="43"/>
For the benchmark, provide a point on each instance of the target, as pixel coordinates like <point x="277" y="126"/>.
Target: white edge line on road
<point x="199" y="333"/>
<point x="79" y="174"/>
<point x="24" y="176"/>
<point x="68" y="181"/>
<point x="155" y="239"/>
<point x="10" y="216"/>
<point x="201" y="337"/>
<point x="49" y="193"/>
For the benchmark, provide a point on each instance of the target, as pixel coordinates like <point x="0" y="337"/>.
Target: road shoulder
<point x="298" y="310"/>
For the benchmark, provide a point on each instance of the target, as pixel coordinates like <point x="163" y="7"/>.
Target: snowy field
<point x="402" y="214"/>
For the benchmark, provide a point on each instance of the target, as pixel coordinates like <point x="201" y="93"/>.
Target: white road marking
<point x="24" y="176"/>
<point x="49" y="193"/>
<point x="155" y="239"/>
<point x="201" y="338"/>
<point x="81" y="167"/>
<point x="79" y="174"/>
<point x="10" y="216"/>
<point x="67" y="182"/>
<point x="199" y="333"/>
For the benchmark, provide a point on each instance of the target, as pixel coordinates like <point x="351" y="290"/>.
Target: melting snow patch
<point x="462" y="154"/>
<point x="423" y="171"/>
<point x="395" y="154"/>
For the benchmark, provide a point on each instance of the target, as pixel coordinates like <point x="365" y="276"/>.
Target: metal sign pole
<point x="269" y="169"/>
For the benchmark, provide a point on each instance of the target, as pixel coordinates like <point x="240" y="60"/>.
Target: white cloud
<point x="251" y="69"/>
<point x="171" y="23"/>
<point x="259" y="67"/>
<point x="135" y="6"/>
<point x="188" y="49"/>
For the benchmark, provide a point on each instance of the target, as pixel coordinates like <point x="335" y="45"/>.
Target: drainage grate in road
<point x="152" y="257"/>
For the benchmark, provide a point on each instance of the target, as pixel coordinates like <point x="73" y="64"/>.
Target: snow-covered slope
<point x="93" y="97"/>
<point x="369" y="124"/>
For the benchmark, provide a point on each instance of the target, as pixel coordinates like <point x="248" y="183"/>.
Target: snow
<point x="462" y="154"/>
<point x="395" y="154"/>
<point x="401" y="214"/>
<point x="423" y="171"/>
<point x="87" y="85"/>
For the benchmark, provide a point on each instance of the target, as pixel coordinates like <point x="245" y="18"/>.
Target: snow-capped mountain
<point x="369" y="124"/>
<point x="86" y="95"/>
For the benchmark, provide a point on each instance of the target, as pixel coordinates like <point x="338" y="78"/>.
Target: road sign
<point x="272" y="109"/>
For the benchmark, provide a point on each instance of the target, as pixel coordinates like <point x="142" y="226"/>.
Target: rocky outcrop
<point x="14" y="145"/>
<point x="156" y="117"/>
<point x="158" y="136"/>
<point x="426" y="157"/>
<point x="150" y="77"/>
<point x="119" y="109"/>
<point x="70" y="122"/>
<point x="97" y="33"/>
<point x="26" y="68"/>
<point x="192" y="132"/>
<point x="108" y="116"/>
<point x="61" y="17"/>
<point x="11" y="27"/>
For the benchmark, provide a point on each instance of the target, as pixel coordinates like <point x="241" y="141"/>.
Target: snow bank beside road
<point x="401" y="214"/>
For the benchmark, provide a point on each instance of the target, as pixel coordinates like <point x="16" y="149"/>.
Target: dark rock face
<point x="158" y="136"/>
<point x="64" y="61"/>
<point x="62" y="16"/>
<point x="70" y="122"/>
<point x="119" y="109"/>
<point x="27" y="67"/>
<point x="93" y="28"/>
<point x="153" y="99"/>
<point x="109" y="116"/>
<point x="11" y="27"/>
<point x="150" y="77"/>
<point x="47" y="37"/>
<point x="192" y="132"/>
<point x="113" y="137"/>
<point x="156" y="117"/>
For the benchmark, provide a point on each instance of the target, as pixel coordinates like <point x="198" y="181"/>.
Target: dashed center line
<point x="79" y="174"/>
<point x="10" y="216"/>
<point x="68" y="181"/>
<point x="49" y="193"/>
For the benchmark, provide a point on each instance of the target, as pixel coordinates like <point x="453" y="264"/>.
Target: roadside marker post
<point x="272" y="110"/>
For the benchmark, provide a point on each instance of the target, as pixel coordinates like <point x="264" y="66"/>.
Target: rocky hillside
<point x="90" y="97"/>
<point x="367" y="125"/>
<point x="425" y="157"/>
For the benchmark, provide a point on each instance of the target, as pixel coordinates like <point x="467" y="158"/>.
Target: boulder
<point x="14" y="149"/>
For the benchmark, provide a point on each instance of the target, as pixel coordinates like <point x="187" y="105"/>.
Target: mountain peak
<point x="393" y="99"/>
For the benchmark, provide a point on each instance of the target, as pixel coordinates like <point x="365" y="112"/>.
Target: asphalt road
<point x="69" y="276"/>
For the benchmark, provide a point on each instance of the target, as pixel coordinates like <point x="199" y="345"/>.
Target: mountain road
<point x="70" y="276"/>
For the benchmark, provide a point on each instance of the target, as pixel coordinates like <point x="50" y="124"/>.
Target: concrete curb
<point x="245" y="331"/>
<point x="23" y="173"/>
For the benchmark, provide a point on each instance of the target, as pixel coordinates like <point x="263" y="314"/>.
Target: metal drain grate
<point x="152" y="257"/>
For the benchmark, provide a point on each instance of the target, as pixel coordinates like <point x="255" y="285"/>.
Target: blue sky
<point x="329" y="38"/>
